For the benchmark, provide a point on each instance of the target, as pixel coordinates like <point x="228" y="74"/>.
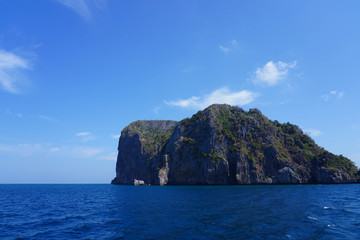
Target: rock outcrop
<point x="226" y="145"/>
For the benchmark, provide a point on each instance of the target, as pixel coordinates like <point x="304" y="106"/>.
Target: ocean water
<point x="179" y="212"/>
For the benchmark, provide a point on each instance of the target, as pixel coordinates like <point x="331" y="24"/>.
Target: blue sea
<point x="179" y="212"/>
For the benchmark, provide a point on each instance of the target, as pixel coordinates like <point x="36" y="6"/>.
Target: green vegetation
<point x="231" y="132"/>
<point x="214" y="157"/>
<point x="234" y="148"/>
<point x="301" y="146"/>
<point x="189" y="141"/>
<point x="339" y="162"/>
<point x="152" y="137"/>
<point x="186" y="122"/>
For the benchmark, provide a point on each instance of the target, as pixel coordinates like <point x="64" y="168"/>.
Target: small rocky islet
<point x="224" y="144"/>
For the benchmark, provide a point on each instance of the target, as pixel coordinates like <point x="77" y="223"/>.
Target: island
<point x="225" y="145"/>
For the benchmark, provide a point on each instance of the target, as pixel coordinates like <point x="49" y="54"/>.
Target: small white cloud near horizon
<point x="272" y="72"/>
<point x="220" y="96"/>
<point x="10" y="70"/>
<point x="332" y="94"/>
<point x="313" y="132"/>
<point x="83" y="7"/>
<point x="229" y="47"/>
<point x="85" y="136"/>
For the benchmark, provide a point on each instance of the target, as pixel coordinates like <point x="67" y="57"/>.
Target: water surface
<point x="179" y="212"/>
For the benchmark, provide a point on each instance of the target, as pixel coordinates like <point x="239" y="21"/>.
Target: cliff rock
<point x="226" y="145"/>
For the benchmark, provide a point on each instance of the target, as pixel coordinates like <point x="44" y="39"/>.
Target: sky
<point x="74" y="73"/>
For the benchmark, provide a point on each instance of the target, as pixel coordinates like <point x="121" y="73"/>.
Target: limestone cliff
<point x="225" y="145"/>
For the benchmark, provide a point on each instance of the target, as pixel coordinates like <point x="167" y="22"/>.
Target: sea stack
<point x="226" y="145"/>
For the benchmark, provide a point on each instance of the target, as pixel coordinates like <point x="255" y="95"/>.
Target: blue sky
<point x="74" y="73"/>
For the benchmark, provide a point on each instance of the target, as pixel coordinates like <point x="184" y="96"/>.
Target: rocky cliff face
<point x="141" y="155"/>
<point x="225" y="145"/>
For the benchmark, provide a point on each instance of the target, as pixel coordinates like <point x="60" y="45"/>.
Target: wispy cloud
<point x="85" y="152"/>
<point x="115" y="136"/>
<point x="23" y="149"/>
<point x="222" y="95"/>
<point x="229" y="46"/>
<point x="34" y="149"/>
<point x="224" y="49"/>
<point x="83" y="7"/>
<point x="156" y="109"/>
<point x="76" y="151"/>
<point x="54" y="149"/>
<point x="47" y="118"/>
<point x="111" y="156"/>
<point x="333" y="94"/>
<point x="85" y="136"/>
<point x="313" y="132"/>
<point x="10" y="70"/>
<point x="18" y="115"/>
<point x="272" y="72"/>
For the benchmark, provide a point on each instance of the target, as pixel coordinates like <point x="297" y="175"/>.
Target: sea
<point x="104" y="211"/>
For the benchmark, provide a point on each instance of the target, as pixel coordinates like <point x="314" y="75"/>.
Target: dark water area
<point x="179" y="212"/>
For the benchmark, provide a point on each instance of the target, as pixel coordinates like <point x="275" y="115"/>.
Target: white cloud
<point x="18" y="115"/>
<point x="333" y="94"/>
<point x="229" y="46"/>
<point x="24" y="149"/>
<point x="156" y="109"/>
<point x="111" y="156"/>
<point x="234" y="43"/>
<point x="76" y="151"/>
<point x="78" y="6"/>
<point x="37" y="149"/>
<point x="325" y="97"/>
<point x="54" y="149"/>
<point x="222" y="95"/>
<point x="83" y="7"/>
<point x="82" y="134"/>
<point x="85" y="152"/>
<point x="313" y="132"/>
<point x="115" y="136"/>
<point x="272" y="72"/>
<point x="85" y="136"/>
<point x="10" y="68"/>
<point x="338" y="94"/>
<point x="47" y="118"/>
<point x="224" y="49"/>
